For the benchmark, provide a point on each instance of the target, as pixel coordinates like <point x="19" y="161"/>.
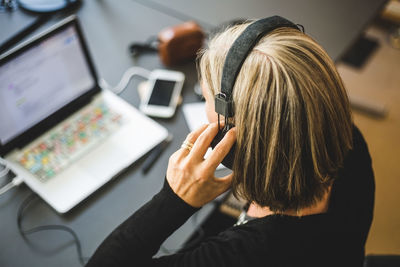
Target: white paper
<point x="195" y="115"/>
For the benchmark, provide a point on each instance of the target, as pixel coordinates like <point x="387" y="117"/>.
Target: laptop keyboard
<point x="63" y="145"/>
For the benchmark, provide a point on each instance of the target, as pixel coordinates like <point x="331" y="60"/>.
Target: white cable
<point x="126" y="77"/>
<point x="4" y="171"/>
<point x="14" y="182"/>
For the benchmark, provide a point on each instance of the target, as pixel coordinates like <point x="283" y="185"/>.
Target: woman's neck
<point x="320" y="207"/>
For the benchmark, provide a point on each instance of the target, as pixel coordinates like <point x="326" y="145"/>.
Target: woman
<point x="299" y="161"/>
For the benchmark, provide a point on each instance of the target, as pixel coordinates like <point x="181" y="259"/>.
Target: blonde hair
<point x="292" y="117"/>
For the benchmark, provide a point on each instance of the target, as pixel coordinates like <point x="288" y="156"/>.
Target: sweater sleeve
<point x="135" y="241"/>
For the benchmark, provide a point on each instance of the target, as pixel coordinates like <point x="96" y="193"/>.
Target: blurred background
<point x="378" y="81"/>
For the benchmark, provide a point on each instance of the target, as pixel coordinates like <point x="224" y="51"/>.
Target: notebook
<point x="58" y="130"/>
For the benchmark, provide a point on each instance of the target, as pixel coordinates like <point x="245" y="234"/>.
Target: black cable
<point x="56" y="227"/>
<point x="151" y="45"/>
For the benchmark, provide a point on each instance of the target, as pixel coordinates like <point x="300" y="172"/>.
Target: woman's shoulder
<point x="274" y="237"/>
<point x="274" y="229"/>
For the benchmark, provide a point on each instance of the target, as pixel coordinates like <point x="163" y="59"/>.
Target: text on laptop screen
<point x="40" y="81"/>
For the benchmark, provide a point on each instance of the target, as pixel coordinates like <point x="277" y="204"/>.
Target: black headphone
<point x="235" y="58"/>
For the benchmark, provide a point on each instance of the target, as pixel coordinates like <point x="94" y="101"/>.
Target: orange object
<point x="180" y="43"/>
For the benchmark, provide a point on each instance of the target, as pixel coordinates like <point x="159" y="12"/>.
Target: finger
<point x="191" y="139"/>
<point x="222" y="149"/>
<point x="203" y="141"/>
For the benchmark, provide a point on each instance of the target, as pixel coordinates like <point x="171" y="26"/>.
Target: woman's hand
<point x="191" y="176"/>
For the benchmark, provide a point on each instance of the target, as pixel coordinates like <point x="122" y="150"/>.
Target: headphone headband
<point x="238" y="53"/>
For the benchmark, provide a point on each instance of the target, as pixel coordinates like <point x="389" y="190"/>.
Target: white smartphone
<point x="162" y="97"/>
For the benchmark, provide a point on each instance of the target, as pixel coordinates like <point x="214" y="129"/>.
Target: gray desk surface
<point x="110" y="26"/>
<point x="334" y="24"/>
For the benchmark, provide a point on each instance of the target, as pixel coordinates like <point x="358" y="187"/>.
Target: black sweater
<point x="335" y="238"/>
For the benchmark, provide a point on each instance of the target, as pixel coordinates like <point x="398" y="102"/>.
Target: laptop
<point x="58" y="130"/>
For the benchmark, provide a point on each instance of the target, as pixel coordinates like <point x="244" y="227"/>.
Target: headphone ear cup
<point x="230" y="157"/>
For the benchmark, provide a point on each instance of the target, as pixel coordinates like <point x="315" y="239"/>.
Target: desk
<point x="110" y="26"/>
<point x="334" y="24"/>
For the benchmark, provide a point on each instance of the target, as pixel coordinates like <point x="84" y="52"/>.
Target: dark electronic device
<point x="46" y="6"/>
<point x="163" y="95"/>
<point x="237" y="54"/>
<point x="46" y="9"/>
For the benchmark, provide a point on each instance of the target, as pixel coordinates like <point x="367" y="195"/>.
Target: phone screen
<point x="162" y="93"/>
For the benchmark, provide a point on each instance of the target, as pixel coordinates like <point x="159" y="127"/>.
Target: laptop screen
<point x="42" y="80"/>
